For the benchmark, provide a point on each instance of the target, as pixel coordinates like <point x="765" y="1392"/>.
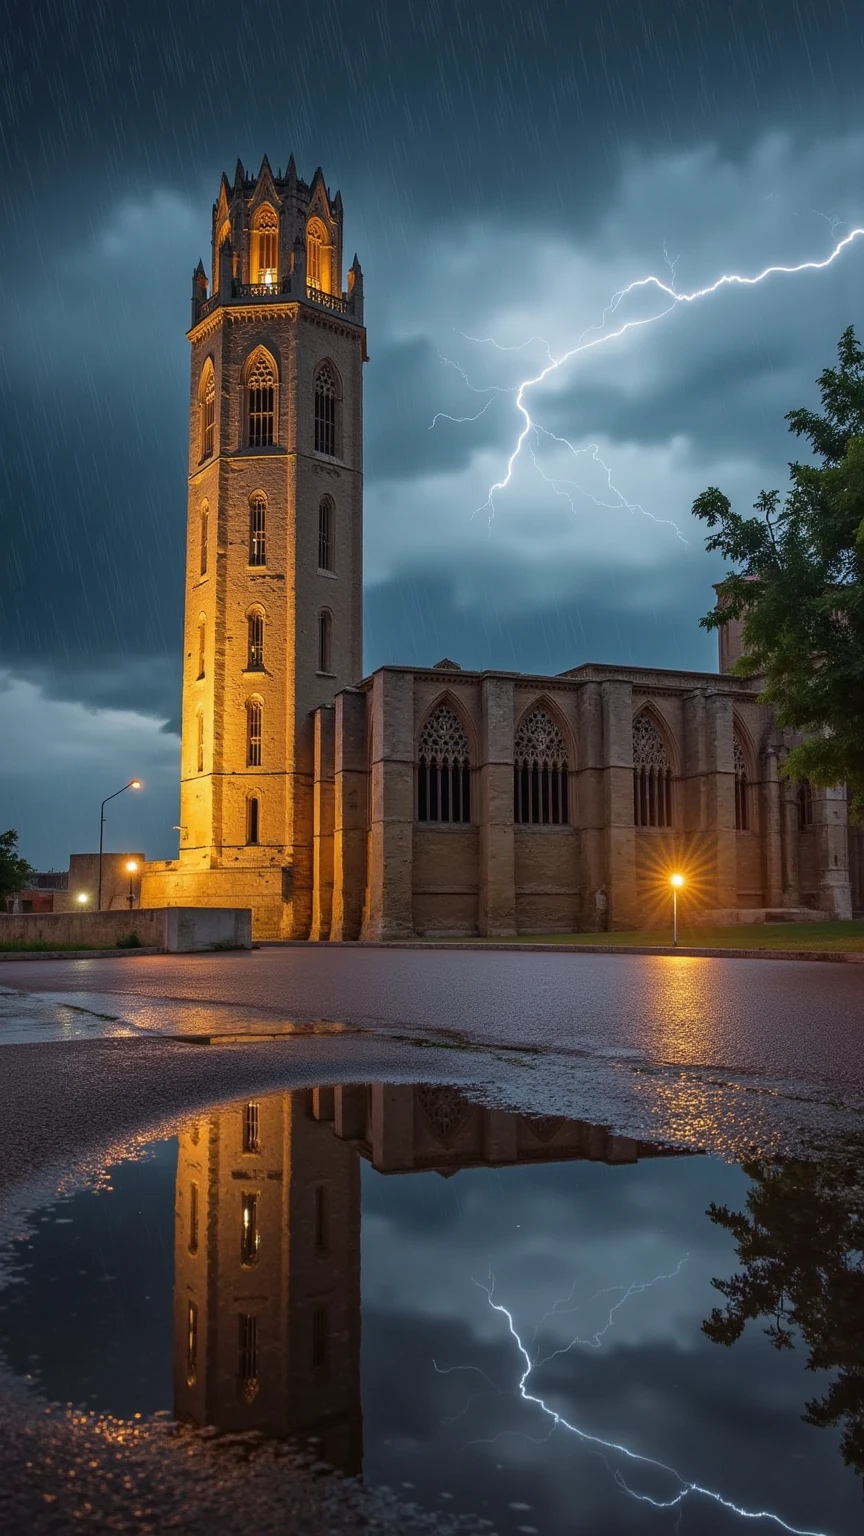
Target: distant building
<point x="62" y="890"/>
<point x="41" y="895"/>
<point x="424" y="800"/>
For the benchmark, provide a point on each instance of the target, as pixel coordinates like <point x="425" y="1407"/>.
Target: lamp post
<point x="133" y="784"/>
<point x="82" y="899"/>
<point x="131" y="866"/>
<point x="676" y="882"/>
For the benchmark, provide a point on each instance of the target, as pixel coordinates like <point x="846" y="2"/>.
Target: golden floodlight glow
<point x="131" y="866"/>
<point x="134" y="783"/>
<point x="677" y="880"/>
<point x="82" y="897"/>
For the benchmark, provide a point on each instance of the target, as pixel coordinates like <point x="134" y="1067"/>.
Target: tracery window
<point x="325" y="535"/>
<point x="265" y="247"/>
<point x="247" y="1355"/>
<point x="444" y="1109"/>
<point x="253" y="821"/>
<point x="805" y="805"/>
<point x="652" y="776"/>
<point x="203" y="535"/>
<point x="443" y="769"/>
<point x="255" y="641"/>
<point x="742" y="797"/>
<point x="258" y="529"/>
<point x="253" y="733"/>
<point x="326" y="398"/>
<point x="317" y="256"/>
<point x="261" y="398"/>
<point x="325" y="647"/>
<point x="539" y="772"/>
<point x="208" y="413"/>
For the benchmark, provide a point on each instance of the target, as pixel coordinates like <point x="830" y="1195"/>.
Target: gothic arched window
<point x="325" y="535"/>
<point x="199" y="743"/>
<point x="265" y="247"/>
<point x="202" y="644"/>
<point x="253" y="817"/>
<point x="326" y="403"/>
<point x="253" y="733"/>
<point x="805" y="805"/>
<point x="325" y="637"/>
<point x="317" y="256"/>
<point x="652" y="776"/>
<point x="261" y="402"/>
<point x="207" y="412"/>
<point x="443" y="769"/>
<point x="258" y="529"/>
<point x="255" y="641"/>
<point x="203" y="534"/>
<point x="742" y="796"/>
<point x="539" y="772"/>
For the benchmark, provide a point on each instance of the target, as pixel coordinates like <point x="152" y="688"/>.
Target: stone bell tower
<point x="274" y="622"/>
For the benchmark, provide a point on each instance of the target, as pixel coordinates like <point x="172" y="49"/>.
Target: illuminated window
<point x="320" y="1338"/>
<point x="191" y="1342"/>
<point x="652" y="776"/>
<point x="322" y="1219"/>
<point x="208" y="413"/>
<point x="203" y="533"/>
<point x="326" y="397"/>
<point x="250" y="1237"/>
<point x="258" y="529"/>
<point x="805" y="805"/>
<point x="255" y="638"/>
<point x="539" y="772"/>
<point x="261" y="398"/>
<point x="253" y="817"/>
<point x="251" y="1128"/>
<point x="443" y="769"/>
<point x="742" y="797"/>
<point x="247" y="1355"/>
<point x="325" y="535"/>
<point x="253" y="733"/>
<point x="317" y="256"/>
<point x="325" y="630"/>
<point x="202" y="644"/>
<point x="200" y="741"/>
<point x="265" y="247"/>
<point x="193" y="1218"/>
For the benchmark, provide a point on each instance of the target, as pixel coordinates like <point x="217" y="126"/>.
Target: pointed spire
<point x="265" y="166"/>
<point x="355" y="265"/>
<point x="199" y="270"/>
<point x="337" y="203"/>
<point x="239" y="174"/>
<point x="291" y="172"/>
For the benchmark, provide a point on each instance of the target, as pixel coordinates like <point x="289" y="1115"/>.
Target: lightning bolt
<point x="599" y="336"/>
<point x="561" y="1309"/>
<point x="685" y="1487"/>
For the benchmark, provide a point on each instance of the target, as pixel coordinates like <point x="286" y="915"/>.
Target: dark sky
<point x="506" y="168"/>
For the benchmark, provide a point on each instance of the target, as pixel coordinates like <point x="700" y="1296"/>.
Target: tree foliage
<point x="801" y="1248"/>
<point x="798" y="583"/>
<point x="15" y="872"/>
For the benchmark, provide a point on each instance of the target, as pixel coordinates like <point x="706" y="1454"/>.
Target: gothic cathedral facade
<point x="429" y="801"/>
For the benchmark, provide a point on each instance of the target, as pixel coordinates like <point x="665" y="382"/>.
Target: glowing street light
<point x="676" y="882"/>
<point x="131" y="866"/>
<point x="82" y="898"/>
<point x="133" y="784"/>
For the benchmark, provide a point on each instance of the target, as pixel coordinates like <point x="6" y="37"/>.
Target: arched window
<point x="207" y="411"/>
<point x="255" y="637"/>
<point x="652" y="776"/>
<point x="253" y="733"/>
<point x="805" y="805"/>
<point x="325" y="535"/>
<point x="443" y="769"/>
<point x="202" y="644"/>
<point x="325" y="636"/>
<point x="742" y="795"/>
<point x="317" y="256"/>
<point x="265" y="247"/>
<point x="203" y="535"/>
<point x="253" y="813"/>
<point x="326" y="400"/>
<point x="261" y="402"/>
<point x="199" y="746"/>
<point x="539" y="772"/>
<point x="258" y="529"/>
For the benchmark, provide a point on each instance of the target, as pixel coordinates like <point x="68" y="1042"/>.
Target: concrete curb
<point x="832" y="956"/>
<point x="77" y="954"/>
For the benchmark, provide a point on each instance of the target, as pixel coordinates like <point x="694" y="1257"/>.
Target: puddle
<point x="492" y="1314"/>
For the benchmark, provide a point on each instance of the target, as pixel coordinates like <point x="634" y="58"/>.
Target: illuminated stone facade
<point x="422" y="801"/>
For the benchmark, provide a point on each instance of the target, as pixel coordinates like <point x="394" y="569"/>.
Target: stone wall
<point x="178" y="929"/>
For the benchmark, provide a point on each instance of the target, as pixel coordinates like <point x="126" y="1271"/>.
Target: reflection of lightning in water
<point x="562" y="1309"/>
<point x="598" y="336"/>
<point x="685" y="1487"/>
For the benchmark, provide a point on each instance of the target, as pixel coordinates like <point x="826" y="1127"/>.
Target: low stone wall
<point x="180" y="930"/>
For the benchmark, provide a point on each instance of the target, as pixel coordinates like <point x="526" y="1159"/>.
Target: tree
<point x="801" y="1247"/>
<point x="15" y="872"/>
<point x="798" y="585"/>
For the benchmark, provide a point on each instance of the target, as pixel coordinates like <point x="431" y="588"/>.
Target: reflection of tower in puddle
<point x="267" y="1276"/>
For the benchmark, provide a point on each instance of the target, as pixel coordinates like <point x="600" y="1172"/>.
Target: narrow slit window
<point x="250" y="1236"/>
<point x="320" y="1338"/>
<point x="247" y="1355"/>
<point x="208" y="415"/>
<point x="805" y="805"/>
<point x="253" y="819"/>
<point x="203" y="534"/>
<point x="200" y="742"/>
<point x="255" y="646"/>
<point x="325" y="628"/>
<point x="325" y="535"/>
<point x="326" y="396"/>
<point x="258" y="530"/>
<point x="202" y="645"/>
<point x="191" y="1342"/>
<point x="193" y="1218"/>
<point x="253" y="734"/>
<point x="251" y="1128"/>
<point x="742" y="798"/>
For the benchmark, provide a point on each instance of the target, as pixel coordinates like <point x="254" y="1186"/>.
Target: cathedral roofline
<point x="587" y="672"/>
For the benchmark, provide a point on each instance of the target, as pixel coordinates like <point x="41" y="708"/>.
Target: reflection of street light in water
<point x="676" y="882"/>
<point x="131" y="866"/>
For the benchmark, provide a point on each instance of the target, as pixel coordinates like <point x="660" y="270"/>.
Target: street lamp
<point x="676" y="882"/>
<point x="82" y="898"/>
<point x="131" y="866"/>
<point x="133" y="784"/>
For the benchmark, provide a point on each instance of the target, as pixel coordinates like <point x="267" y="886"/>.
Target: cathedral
<point x="423" y="801"/>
